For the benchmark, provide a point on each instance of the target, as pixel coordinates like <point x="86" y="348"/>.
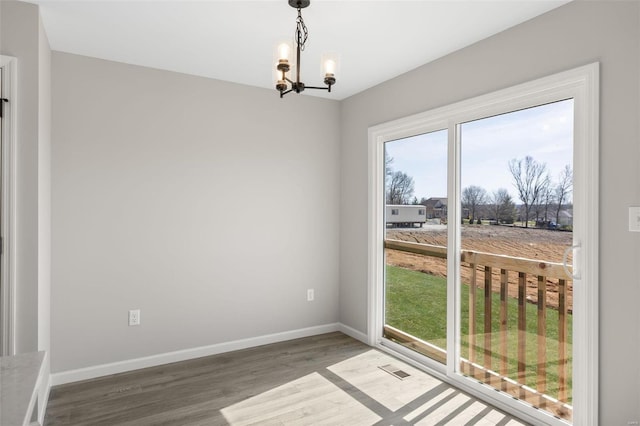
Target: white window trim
<point x="581" y="84"/>
<point x="9" y="67"/>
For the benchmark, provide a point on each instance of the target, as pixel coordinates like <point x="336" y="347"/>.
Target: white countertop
<point x="19" y="376"/>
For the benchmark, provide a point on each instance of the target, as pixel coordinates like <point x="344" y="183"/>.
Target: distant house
<point x="565" y="218"/>
<point x="436" y="207"/>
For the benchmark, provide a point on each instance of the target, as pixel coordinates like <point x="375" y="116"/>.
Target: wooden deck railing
<point x="487" y="358"/>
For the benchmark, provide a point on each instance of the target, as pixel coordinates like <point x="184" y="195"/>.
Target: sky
<point x="544" y="132"/>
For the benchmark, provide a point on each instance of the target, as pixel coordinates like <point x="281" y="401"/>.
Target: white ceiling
<point x="234" y="40"/>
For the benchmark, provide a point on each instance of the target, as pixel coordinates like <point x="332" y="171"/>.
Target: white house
<point x="565" y="218"/>
<point x="405" y="215"/>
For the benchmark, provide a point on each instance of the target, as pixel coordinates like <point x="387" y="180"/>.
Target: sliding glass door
<point x="481" y="212"/>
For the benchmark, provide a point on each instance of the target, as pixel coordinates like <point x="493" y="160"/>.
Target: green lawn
<point x="416" y="304"/>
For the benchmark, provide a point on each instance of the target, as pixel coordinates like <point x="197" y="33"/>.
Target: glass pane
<point x="416" y="213"/>
<point x="516" y="308"/>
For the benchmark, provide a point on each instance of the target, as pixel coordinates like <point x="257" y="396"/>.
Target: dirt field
<point x="531" y="243"/>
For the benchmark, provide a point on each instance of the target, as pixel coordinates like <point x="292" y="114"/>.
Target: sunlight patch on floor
<point x="363" y="372"/>
<point x="312" y="399"/>
<point x="430" y="405"/>
<point x="357" y="392"/>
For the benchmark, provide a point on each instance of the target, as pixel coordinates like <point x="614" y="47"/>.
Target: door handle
<point x="569" y="273"/>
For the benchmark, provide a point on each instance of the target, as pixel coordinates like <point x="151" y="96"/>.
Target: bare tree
<point x="546" y="199"/>
<point x="496" y="198"/>
<point x="530" y="179"/>
<point x="472" y="198"/>
<point x="399" y="188"/>
<point x="388" y="166"/>
<point x="504" y="209"/>
<point x="563" y="189"/>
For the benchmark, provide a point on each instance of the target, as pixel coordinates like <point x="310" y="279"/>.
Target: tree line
<point x="542" y="197"/>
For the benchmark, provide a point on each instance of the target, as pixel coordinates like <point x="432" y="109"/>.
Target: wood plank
<point x="418" y="345"/>
<point x="562" y="341"/>
<point x="473" y="294"/>
<point x="522" y="328"/>
<point x="418" y="248"/>
<point x="542" y="338"/>
<point x="504" y="289"/>
<point x="488" y="296"/>
<point x="529" y="266"/>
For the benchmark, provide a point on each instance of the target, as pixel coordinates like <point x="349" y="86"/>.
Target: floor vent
<point x="394" y="371"/>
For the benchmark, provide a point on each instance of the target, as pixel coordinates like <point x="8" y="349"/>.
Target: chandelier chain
<point x="301" y="31"/>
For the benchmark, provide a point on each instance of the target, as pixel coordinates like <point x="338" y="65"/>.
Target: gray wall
<point x="22" y="36"/>
<point x="570" y="36"/>
<point x="210" y="206"/>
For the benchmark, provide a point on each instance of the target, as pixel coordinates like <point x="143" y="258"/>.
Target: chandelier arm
<point x="319" y="88"/>
<point x="285" y="92"/>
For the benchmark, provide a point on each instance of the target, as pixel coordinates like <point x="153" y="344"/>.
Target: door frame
<point x="581" y="84"/>
<point x="8" y="216"/>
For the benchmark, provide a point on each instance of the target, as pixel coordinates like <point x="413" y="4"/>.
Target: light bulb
<point x="330" y="66"/>
<point x="283" y="51"/>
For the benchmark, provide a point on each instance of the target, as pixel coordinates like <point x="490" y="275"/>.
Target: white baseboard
<point x="186" y="354"/>
<point x="352" y="332"/>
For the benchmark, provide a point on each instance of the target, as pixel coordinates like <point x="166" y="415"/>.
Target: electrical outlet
<point x="310" y="295"/>
<point x="134" y="317"/>
<point x="634" y="219"/>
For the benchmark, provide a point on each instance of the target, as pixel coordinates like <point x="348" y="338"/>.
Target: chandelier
<point x="285" y="84"/>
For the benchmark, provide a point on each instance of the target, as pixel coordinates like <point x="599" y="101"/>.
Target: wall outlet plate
<point x="134" y="317"/>
<point x="634" y="219"/>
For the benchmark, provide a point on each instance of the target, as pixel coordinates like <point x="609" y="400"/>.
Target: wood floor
<point x="329" y="379"/>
